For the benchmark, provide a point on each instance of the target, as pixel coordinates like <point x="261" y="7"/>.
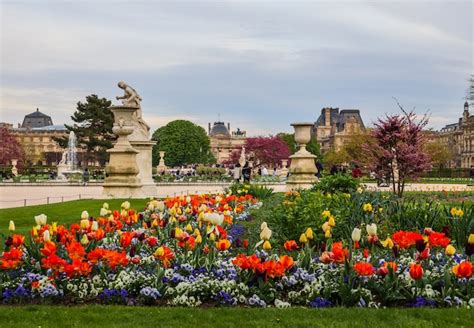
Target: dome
<point x="219" y="129"/>
<point x="36" y="120"/>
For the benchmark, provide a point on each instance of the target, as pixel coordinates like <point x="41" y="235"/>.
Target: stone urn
<point x="283" y="172"/>
<point x="302" y="167"/>
<point x="122" y="169"/>
<point x="14" y="168"/>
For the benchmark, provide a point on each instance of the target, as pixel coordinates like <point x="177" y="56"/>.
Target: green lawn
<point x="63" y="213"/>
<point x="120" y="316"/>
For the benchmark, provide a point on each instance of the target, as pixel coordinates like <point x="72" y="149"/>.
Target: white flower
<point x="84" y="215"/>
<point x="371" y="229"/>
<point x="46" y="235"/>
<point x="41" y="219"/>
<point x="356" y="234"/>
<point x="265" y="234"/>
<point x="104" y="212"/>
<point x="105" y="205"/>
<point x="126" y="205"/>
<point x="95" y="226"/>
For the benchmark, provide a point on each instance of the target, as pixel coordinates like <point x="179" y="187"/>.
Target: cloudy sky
<point x="259" y="64"/>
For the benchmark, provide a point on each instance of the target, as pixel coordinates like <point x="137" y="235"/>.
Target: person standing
<point x="264" y="171"/>
<point x="319" y="167"/>
<point x="85" y="176"/>
<point x="237" y="172"/>
<point x="246" y="172"/>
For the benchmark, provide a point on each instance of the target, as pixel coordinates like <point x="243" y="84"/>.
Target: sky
<point x="259" y="65"/>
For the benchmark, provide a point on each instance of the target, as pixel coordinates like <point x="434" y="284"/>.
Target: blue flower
<point x="320" y="302"/>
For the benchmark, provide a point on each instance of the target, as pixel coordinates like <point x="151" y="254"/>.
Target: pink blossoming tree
<point x="396" y="151"/>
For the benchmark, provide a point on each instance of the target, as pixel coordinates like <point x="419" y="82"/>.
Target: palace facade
<point x="224" y="141"/>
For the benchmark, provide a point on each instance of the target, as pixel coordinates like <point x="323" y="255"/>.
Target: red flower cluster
<point x="11" y="259"/>
<point x="338" y="254"/>
<point x="438" y="239"/>
<point x="463" y="270"/>
<point x="270" y="269"/>
<point x="364" y="269"/>
<point x="406" y="239"/>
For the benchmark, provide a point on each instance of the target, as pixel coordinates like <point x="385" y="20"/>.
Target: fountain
<point x="67" y="167"/>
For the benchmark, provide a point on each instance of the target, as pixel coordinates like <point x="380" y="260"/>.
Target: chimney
<point x="209" y="128"/>
<point x="327" y="116"/>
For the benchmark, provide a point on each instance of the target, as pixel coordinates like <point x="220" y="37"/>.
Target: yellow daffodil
<point x="326" y="214"/>
<point x="327" y="234"/>
<point x="367" y="207"/>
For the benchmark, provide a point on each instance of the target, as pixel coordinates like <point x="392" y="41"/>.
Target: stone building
<point x="459" y="138"/>
<point x="223" y="141"/>
<point x="333" y="127"/>
<point x="35" y="135"/>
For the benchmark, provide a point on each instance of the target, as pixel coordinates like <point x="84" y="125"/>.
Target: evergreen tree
<point x="93" y="123"/>
<point x="184" y="143"/>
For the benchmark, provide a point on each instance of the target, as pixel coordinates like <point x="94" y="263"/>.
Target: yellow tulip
<point x="367" y="207"/>
<point x="470" y="240"/>
<point x="327" y="234"/>
<point x="189" y="227"/>
<point x="267" y="246"/>
<point x="303" y="238"/>
<point x="55" y="227"/>
<point x="212" y="236"/>
<point x="331" y="221"/>
<point x="387" y="243"/>
<point x="177" y="232"/>
<point x="84" y="224"/>
<point x="11" y="226"/>
<point x="450" y="250"/>
<point x="326" y="214"/>
<point x="160" y="251"/>
<point x="84" y="240"/>
<point x="197" y="232"/>
<point x="309" y="233"/>
<point x="325" y="226"/>
<point x="198" y="239"/>
<point x="35" y="232"/>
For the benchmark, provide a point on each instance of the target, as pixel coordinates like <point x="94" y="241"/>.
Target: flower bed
<point x="192" y="251"/>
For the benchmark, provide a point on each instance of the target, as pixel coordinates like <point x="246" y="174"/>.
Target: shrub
<point x="337" y="183"/>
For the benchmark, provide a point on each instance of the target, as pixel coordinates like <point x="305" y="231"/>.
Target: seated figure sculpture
<point x="131" y="98"/>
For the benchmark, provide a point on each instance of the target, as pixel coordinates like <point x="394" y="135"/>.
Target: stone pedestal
<point x="143" y="159"/>
<point x="62" y="167"/>
<point x="302" y="168"/>
<point x="122" y="170"/>
<point x="283" y="172"/>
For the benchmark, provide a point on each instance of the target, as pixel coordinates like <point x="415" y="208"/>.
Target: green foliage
<point x="93" y="122"/>
<point x="337" y="183"/>
<point x="312" y="146"/>
<point x="184" y="143"/>
<point x="260" y="192"/>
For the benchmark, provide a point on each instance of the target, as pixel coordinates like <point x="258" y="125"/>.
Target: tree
<point x="93" y="127"/>
<point x="440" y="154"/>
<point x="350" y="152"/>
<point x="184" y="143"/>
<point x="397" y="149"/>
<point x="312" y="146"/>
<point x="266" y="150"/>
<point x="10" y="148"/>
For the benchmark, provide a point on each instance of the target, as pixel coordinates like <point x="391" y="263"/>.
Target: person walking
<point x="264" y="171"/>
<point x="319" y="167"/>
<point x="85" y="176"/>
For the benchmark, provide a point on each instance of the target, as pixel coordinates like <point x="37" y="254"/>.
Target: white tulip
<point x="371" y="229"/>
<point x="41" y="219"/>
<point x="126" y="205"/>
<point x="263" y="225"/>
<point x="95" y="226"/>
<point x="106" y="206"/>
<point x="104" y="212"/>
<point x="356" y="234"/>
<point x="46" y="235"/>
<point x="84" y="215"/>
<point x="265" y="234"/>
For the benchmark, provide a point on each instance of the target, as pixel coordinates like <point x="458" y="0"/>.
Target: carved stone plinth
<point x="302" y="168"/>
<point x="122" y="179"/>
<point x="143" y="159"/>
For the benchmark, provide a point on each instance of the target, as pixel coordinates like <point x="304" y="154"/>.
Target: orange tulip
<point x="463" y="270"/>
<point x="223" y="244"/>
<point x="416" y="271"/>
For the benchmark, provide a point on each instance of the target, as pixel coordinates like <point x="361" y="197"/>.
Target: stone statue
<point x="131" y="98"/>
<point x="63" y="158"/>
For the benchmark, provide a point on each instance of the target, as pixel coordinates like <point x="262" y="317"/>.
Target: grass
<point x="121" y="316"/>
<point x="63" y="213"/>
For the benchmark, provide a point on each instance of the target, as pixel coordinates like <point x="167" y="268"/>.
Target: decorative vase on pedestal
<point x="284" y="169"/>
<point x="302" y="168"/>
<point x="161" y="165"/>
<point x="122" y="179"/>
